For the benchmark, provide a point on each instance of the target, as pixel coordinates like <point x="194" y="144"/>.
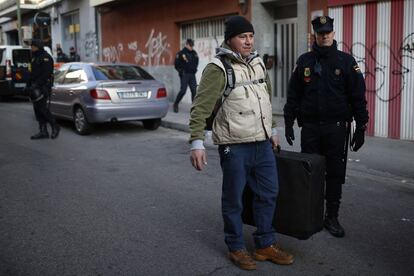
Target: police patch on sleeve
<point x="356" y="68"/>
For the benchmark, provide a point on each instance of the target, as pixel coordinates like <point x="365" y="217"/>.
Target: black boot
<point x="332" y="225"/>
<point x="43" y="134"/>
<point x="175" y="108"/>
<point x="55" y="131"/>
<point x="331" y="222"/>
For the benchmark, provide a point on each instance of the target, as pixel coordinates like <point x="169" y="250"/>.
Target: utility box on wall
<point x="27" y="32"/>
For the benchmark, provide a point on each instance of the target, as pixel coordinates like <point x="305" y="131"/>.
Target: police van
<point x="14" y="70"/>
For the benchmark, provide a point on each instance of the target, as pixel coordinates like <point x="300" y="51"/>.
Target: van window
<point x="21" y="57"/>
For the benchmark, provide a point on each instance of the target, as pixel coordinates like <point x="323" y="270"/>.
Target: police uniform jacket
<point x="186" y="61"/>
<point x="41" y="69"/>
<point x="326" y="86"/>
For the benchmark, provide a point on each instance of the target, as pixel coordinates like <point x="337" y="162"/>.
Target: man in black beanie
<point x="245" y="132"/>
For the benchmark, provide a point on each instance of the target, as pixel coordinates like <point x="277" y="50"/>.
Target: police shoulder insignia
<point x="322" y="19"/>
<point x="337" y="72"/>
<point x="307" y="72"/>
<point x="356" y="68"/>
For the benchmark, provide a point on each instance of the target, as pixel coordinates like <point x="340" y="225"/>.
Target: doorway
<point x="286" y="31"/>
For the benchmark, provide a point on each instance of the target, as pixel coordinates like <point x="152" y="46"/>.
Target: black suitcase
<point x="300" y="203"/>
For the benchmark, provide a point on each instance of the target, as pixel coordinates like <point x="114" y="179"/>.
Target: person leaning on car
<point x="245" y="131"/>
<point x="40" y="85"/>
<point x="326" y="91"/>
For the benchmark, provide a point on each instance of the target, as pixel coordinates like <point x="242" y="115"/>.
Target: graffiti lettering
<point x="380" y="70"/>
<point x="112" y="53"/>
<point x="157" y="51"/>
<point x="408" y="46"/>
<point x="90" y="44"/>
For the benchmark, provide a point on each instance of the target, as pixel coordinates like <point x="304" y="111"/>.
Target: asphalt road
<point x="125" y="201"/>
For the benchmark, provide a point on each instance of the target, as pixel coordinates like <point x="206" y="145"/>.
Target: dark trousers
<point x="187" y="79"/>
<point x="329" y="141"/>
<point x="42" y="112"/>
<point x="253" y="164"/>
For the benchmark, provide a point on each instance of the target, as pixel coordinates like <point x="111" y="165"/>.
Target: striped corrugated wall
<point x="380" y="35"/>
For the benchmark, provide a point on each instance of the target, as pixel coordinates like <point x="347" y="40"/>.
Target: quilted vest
<point x="246" y="114"/>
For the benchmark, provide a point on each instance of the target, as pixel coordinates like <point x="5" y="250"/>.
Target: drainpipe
<point x="19" y="22"/>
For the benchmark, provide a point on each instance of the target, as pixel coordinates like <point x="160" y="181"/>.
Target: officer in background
<point x="186" y="63"/>
<point x="326" y="91"/>
<point x="60" y="55"/>
<point x="73" y="55"/>
<point x="40" y="84"/>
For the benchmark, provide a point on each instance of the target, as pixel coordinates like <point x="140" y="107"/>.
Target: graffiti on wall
<point x="155" y="51"/>
<point x="408" y="46"/>
<point x="380" y="69"/>
<point x="113" y="53"/>
<point x="90" y="44"/>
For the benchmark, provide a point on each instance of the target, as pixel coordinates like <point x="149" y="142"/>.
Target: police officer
<point x="326" y="91"/>
<point x="40" y="84"/>
<point x="186" y="63"/>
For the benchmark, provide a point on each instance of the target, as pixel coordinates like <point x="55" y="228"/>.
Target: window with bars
<point x="203" y="28"/>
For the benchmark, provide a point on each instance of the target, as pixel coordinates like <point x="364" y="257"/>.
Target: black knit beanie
<point x="236" y="25"/>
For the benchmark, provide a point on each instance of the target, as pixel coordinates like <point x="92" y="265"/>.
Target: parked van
<point x="14" y="70"/>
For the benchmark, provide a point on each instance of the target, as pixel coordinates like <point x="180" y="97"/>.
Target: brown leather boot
<point x="242" y="259"/>
<point x="274" y="254"/>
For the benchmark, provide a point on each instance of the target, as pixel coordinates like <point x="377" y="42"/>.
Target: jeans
<point x="253" y="164"/>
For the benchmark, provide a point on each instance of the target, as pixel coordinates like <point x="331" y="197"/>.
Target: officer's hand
<point x="358" y="139"/>
<point x="198" y="159"/>
<point x="289" y="134"/>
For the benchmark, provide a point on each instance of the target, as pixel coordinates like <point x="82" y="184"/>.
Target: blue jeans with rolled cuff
<point x="252" y="164"/>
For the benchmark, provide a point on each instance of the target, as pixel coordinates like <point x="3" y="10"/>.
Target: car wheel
<point x="82" y="126"/>
<point x="151" y="124"/>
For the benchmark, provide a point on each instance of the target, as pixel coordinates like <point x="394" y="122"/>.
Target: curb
<point x="176" y="126"/>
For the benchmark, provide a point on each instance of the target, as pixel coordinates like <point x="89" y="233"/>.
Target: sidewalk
<point x="179" y="121"/>
<point x="393" y="156"/>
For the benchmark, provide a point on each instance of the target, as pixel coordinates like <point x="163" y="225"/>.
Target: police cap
<point x="323" y="24"/>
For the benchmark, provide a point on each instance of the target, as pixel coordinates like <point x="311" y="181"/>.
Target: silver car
<point x="89" y="93"/>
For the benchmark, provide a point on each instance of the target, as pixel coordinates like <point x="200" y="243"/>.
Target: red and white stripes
<point x="380" y="35"/>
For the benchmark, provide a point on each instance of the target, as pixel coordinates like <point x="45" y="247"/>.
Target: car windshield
<point x="120" y="72"/>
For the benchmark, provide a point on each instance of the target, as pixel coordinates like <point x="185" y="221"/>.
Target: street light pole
<point x="19" y="22"/>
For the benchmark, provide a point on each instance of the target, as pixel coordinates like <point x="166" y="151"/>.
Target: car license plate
<point x="20" y="85"/>
<point x="133" y="94"/>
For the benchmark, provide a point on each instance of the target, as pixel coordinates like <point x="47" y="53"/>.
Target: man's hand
<point x="198" y="159"/>
<point x="358" y="139"/>
<point x="289" y="134"/>
<point x="275" y="142"/>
